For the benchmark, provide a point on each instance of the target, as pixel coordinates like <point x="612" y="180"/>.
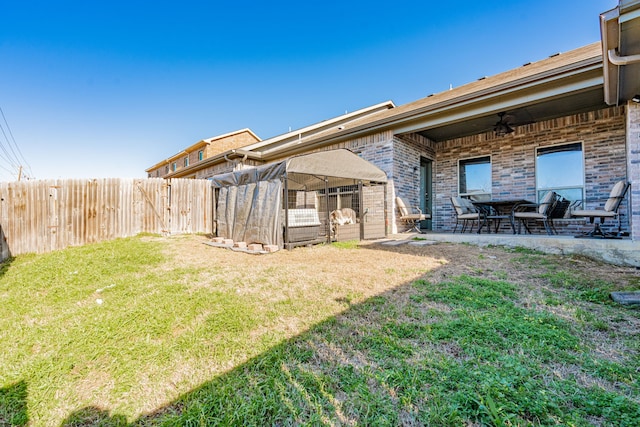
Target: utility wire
<point x="24" y="160"/>
<point x="7" y="157"/>
<point x="19" y="166"/>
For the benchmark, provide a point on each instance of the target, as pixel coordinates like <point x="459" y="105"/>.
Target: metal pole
<point x="361" y="212"/>
<point x="286" y="213"/>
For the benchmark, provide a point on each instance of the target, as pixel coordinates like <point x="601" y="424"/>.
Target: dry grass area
<point x="372" y="268"/>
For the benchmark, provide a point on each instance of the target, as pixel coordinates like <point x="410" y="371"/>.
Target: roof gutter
<point x="610" y="32"/>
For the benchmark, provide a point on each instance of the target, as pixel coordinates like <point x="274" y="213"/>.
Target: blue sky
<point x="107" y="89"/>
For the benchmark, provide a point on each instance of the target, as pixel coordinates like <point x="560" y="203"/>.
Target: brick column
<point x="633" y="166"/>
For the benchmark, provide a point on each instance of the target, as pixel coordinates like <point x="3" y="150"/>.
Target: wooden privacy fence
<point x="42" y="216"/>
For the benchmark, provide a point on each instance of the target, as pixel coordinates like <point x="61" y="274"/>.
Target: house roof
<point x="562" y="84"/>
<point x="294" y="137"/>
<point x="200" y="144"/>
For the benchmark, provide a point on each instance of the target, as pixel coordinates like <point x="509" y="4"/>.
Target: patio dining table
<point x="497" y="210"/>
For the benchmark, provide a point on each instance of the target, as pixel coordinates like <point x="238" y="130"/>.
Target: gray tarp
<point x="250" y="201"/>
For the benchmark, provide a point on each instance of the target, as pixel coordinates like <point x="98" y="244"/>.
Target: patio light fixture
<point x="502" y="128"/>
<point x="636" y="98"/>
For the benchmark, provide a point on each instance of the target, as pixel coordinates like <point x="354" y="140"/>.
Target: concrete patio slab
<point x="624" y="252"/>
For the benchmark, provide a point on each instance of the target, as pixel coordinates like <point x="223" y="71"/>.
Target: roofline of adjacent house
<point x="201" y="143"/>
<point x="247" y="152"/>
<point x="325" y="123"/>
<point x="228" y="155"/>
<point x="167" y="161"/>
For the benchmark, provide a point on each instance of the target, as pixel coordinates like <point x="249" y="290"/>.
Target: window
<point x="200" y="155"/>
<point x="174" y="166"/>
<point x="475" y="177"/>
<point x="186" y="161"/>
<point x="561" y="169"/>
<point x="166" y="169"/>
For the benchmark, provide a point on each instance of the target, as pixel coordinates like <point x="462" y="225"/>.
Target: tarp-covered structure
<point x="292" y="201"/>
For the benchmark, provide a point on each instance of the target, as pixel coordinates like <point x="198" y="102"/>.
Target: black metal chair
<point x="610" y="210"/>
<point x="466" y="212"/>
<point x="412" y="219"/>
<point x="524" y="212"/>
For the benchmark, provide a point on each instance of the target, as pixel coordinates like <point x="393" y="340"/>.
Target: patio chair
<point x="610" y="210"/>
<point x="411" y="218"/>
<point x="466" y="212"/>
<point x="524" y="212"/>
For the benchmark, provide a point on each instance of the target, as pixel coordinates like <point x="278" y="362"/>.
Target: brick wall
<point x="225" y="167"/>
<point x="231" y="142"/>
<point x="218" y="146"/>
<point x="602" y="133"/>
<point x="408" y="149"/>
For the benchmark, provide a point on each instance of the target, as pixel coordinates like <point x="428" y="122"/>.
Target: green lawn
<point x="122" y="333"/>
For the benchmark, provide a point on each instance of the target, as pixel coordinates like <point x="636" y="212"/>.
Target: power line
<point x="18" y="163"/>
<point x="24" y="160"/>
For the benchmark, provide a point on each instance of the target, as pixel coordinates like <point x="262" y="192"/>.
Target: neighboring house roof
<point x="253" y="151"/>
<point x="200" y="144"/>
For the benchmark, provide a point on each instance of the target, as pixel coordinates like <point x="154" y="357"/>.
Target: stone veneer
<point x="633" y="165"/>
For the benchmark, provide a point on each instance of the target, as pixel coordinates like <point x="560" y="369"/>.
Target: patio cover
<point x="250" y="201"/>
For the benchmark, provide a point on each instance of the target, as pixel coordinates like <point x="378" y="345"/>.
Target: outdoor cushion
<point x="593" y="212"/>
<point x="475" y="215"/>
<point x="616" y="193"/>
<point x="546" y="202"/>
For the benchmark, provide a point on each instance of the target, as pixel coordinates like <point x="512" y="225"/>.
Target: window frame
<point x="476" y="195"/>
<point x="200" y="155"/>
<point x="559" y="189"/>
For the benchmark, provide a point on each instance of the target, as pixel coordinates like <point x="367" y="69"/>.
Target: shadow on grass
<point x="13" y="405"/>
<point x="410" y="356"/>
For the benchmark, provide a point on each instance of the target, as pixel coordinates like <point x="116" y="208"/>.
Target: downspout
<point x="616" y="59"/>
<point x="236" y="161"/>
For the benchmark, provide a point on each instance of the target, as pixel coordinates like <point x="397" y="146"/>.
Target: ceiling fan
<point x="502" y="126"/>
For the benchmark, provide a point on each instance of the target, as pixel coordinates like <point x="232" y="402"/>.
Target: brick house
<point x="177" y="166"/>
<point x="572" y="125"/>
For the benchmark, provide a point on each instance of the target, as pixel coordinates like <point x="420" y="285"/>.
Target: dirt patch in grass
<point x="373" y="266"/>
